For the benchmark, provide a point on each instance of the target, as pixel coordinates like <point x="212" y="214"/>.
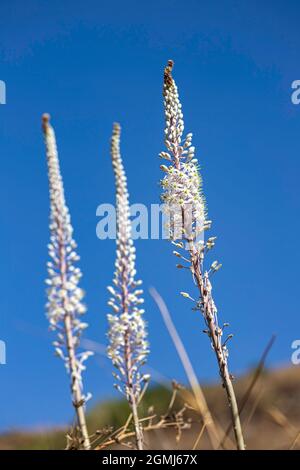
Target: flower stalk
<point x="185" y="205"/>
<point x="65" y="307"/>
<point x="128" y="346"/>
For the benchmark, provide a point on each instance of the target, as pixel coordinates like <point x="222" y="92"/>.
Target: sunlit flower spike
<point x="128" y="346"/>
<point x="185" y="204"/>
<point x="65" y="307"/>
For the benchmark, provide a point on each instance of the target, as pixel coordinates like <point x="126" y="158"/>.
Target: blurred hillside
<point x="271" y="417"/>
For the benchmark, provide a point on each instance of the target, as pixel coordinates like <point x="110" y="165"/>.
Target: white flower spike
<point x="185" y="203"/>
<point x="65" y="307"/>
<point x="128" y="346"/>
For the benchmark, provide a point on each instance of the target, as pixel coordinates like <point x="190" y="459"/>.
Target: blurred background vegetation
<point x="271" y="416"/>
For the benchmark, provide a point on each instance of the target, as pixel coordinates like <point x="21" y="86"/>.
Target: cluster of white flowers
<point x="185" y="205"/>
<point x="64" y="307"/>
<point x="127" y="334"/>
<point x="182" y="184"/>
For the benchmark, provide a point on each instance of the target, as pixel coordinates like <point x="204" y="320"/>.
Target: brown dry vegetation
<point x="271" y="417"/>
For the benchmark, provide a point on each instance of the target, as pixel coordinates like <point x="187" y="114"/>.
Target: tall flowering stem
<point x="128" y="347"/>
<point x="65" y="307"/>
<point x="182" y="188"/>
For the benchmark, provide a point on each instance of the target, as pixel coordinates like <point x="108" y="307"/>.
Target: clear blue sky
<point x="89" y="63"/>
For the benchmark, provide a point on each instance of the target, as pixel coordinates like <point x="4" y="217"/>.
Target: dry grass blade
<point x="199" y="437"/>
<point x="279" y="418"/>
<point x="189" y="370"/>
<point x="253" y="408"/>
<point x="257" y="374"/>
<point x="295" y="441"/>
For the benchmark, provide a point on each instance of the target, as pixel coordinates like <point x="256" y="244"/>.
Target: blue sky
<point x="90" y="63"/>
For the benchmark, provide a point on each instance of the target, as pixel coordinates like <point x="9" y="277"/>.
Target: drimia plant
<point x="128" y="347"/>
<point x="65" y="307"/>
<point x="186" y="210"/>
<point x="185" y="207"/>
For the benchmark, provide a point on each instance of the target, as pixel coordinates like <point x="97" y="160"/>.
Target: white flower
<point x="64" y="294"/>
<point x="127" y="334"/>
<point x="182" y="184"/>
